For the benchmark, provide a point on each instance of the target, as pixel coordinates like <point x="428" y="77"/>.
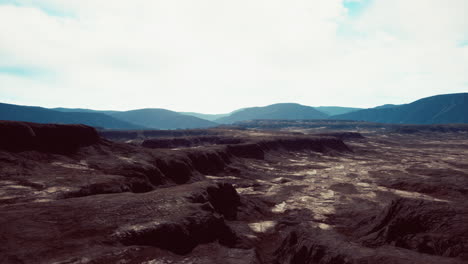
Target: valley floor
<point x="266" y="197"/>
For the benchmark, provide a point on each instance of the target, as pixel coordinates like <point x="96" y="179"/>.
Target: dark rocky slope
<point x="21" y="136"/>
<point x="394" y="235"/>
<point x="306" y="244"/>
<point x="175" y="219"/>
<point x="435" y="228"/>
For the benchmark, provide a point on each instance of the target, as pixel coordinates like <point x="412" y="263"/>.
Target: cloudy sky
<point x="214" y="56"/>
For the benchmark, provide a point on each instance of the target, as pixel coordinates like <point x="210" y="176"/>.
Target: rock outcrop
<point x="436" y="228"/>
<point x="176" y="219"/>
<point x="21" y="136"/>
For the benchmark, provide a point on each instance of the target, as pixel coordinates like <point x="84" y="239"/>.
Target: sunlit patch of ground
<point x="263" y="226"/>
<point x="77" y="166"/>
<point x="353" y="180"/>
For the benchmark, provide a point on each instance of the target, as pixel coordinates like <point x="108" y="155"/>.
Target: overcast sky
<point x="214" y="56"/>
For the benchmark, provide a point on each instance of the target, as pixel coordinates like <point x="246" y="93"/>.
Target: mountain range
<point x="162" y="119"/>
<point x="43" y="115"/>
<point x="439" y="109"/>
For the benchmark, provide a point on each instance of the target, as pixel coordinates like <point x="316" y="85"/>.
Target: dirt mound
<point x="21" y="136"/>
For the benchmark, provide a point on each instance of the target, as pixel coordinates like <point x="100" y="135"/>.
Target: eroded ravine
<point x="327" y="191"/>
<point x="236" y="197"/>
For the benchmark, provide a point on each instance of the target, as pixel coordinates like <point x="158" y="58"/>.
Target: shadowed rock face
<point x="306" y="244"/>
<point x="170" y="219"/>
<point x="266" y="197"/>
<point x="436" y="228"/>
<point x="394" y="235"/>
<point x="21" y="136"/>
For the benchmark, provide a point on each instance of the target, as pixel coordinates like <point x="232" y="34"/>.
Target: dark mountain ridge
<point x="85" y="110"/>
<point x="336" y="110"/>
<point x="162" y="119"/>
<point x="126" y="120"/>
<point x="274" y="111"/>
<point x="35" y="114"/>
<point x="438" y="109"/>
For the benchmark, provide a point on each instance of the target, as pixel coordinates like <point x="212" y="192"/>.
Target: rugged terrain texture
<point x="68" y="195"/>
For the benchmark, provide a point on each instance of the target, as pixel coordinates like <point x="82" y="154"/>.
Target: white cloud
<point x="219" y="55"/>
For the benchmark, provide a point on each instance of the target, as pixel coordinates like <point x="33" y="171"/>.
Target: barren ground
<point x="240" y="196"/>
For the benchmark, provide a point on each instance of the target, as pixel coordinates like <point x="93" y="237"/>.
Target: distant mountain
<point x="153" y="118"/>
<point x="209" y="117"/>
<point x="439" y="109"/>
<point x="275" y="111"/>
<point x="336" y="110"/>
<point x="385" y="106"/>
<point x="43" y="115"/>
<point x="83" y="110"/>
<point x="162" y="119"/>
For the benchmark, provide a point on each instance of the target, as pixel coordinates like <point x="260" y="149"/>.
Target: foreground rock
<point x="310" y="244"/>
<point x="176" y="219"/>
<point x="21" y="136"/>
<point x="435" y="228"/>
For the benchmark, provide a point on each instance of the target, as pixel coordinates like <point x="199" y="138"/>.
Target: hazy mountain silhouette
<point x="155" y="118"/>
<point x="386" y="106"/>
<point x="275" y="111"/>
<point x="209" y="117"/>
<point x="83" y="110"/>
<point x="162" y="119"/>
<point x="439" y="109"/>
<point x="43" y="115"/>
<point x="336" y="110"/>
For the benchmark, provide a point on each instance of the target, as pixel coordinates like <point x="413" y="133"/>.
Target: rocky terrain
<point x="304" y="194"/>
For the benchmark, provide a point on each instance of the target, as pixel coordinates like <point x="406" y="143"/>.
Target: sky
<point x="215" y="56"/>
